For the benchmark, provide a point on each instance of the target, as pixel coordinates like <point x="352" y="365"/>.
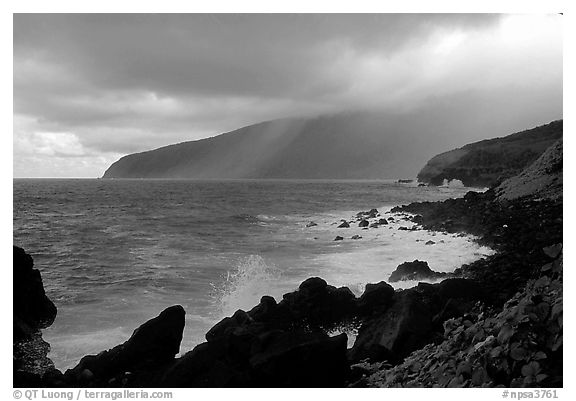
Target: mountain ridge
<point x="369" y="144"/>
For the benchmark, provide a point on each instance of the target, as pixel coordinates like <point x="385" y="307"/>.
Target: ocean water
<point x="115" y="253"/>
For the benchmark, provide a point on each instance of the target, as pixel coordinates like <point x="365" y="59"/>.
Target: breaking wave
<point x="243" y="287"/>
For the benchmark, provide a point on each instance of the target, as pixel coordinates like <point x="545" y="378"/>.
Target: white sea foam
<point x="350" y="329"/>
<point x="68" y="348"/>
<point x="380" y="250"/>
<point x="243" y="287"/>
<point x="455" y="183"/>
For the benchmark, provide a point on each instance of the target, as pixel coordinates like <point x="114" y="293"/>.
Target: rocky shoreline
<point x="494" y="322"/>
<point x="286" y="343"/>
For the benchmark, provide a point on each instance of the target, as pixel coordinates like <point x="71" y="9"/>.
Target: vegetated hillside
<point x="372" y="144"/>
<point x="342" y="146"/>
<point x="542" y="179"/>
<point x="489" y="162"/>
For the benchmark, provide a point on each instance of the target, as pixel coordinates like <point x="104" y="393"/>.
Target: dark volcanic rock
<point x="309" y="361"/>
<point x="344" y="225"/>
<point x="416" y="270"/>
<point x="382" y="221"/>
<point x="263" y="358"/>
<point x="274" y="344"/>
<point x="315" y="305"/>
<point x="413" y="318"/>
<point x="229" y="324"/>
<point x="418" y="219"/>
<point x="338" y="238"/>
<point x="364" y="223"/>
<point x="375" y="297"/>
<point x="370" y="214"/>
<point x="266" y="310"/>
<point x="319" y="304"/>
<point x="403" y="327"/>
<point x="311" y="224"/>
<point x="460" y="288"/>
<point x="32" y="310"/>
<point x="151" y="346"/>
<point x="516" y="229"/>
<point x="158" y="339"/>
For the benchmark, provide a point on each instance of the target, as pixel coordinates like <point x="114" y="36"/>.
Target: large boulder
<point x="274" y="344"/>
<point x="414" y="318"/>
<point x="319" y="304"/>
<point x="228" y="325"/>
<point x="263" y="358"/>
<point x="209" y="364"/>
<point x="415" y="270"/>
<point x="375" y="298"/>
<point x="32" y="309"/>
<point x="392" y="335"/>
<point x="301" y="360"/>
<point x="315" y="305"/>
<point x="151" y="346"/>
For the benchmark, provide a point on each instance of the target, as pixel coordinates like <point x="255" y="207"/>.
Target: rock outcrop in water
<point x="415" y="270"/>
<point x="489" y="162"/>
<point x="32" y="311"/>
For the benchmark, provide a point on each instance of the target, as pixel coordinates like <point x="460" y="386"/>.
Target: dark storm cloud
<point x="257" y="55"/>
<point x="127" y="82"/>
<point x="86" y="70"/>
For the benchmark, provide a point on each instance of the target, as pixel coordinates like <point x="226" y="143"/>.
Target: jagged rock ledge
<point x="284" y="344"/>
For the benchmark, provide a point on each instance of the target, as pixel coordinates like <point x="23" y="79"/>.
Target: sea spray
<point x="350" y="328"/>
<point x="243" y="287"/>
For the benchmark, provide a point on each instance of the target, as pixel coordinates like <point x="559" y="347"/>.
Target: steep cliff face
<point x="542" y="179"/>
<point x="368" y="144"/>
<point x="342" y="146"/>
<point x="489" y="162"/>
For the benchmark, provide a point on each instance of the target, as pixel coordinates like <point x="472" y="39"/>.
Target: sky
<point x="91" y="88"/>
